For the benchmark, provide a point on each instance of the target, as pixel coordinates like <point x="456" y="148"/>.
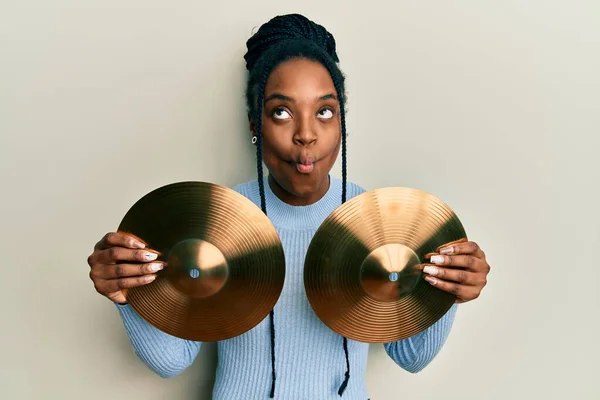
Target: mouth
<point x="304" y="164"/>
<point x="305" y="168"/>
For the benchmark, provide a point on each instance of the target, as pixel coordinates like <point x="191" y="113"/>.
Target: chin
<point x="300" y="185"/>
<point x="302" y="189"/>
<point x="305" y="185"/>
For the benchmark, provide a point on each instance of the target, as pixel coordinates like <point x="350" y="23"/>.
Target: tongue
<point x="304" y="168"/>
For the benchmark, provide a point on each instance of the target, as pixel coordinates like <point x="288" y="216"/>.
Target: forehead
<point x="300" y="76"/>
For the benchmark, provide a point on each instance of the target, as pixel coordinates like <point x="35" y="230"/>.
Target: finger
<point x="462" y="261"/>
<point x="113" y="271"/>
<point x="120" y="239"/>
<point x="115" y="285"/>
<point x="113" y="255"/>
<point x="450" y="244"/>
<point x="455" y="275"/>
<point x="462" y="248"/>
<point x="462" y="292"/>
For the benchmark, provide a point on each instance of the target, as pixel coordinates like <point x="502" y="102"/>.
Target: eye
<point x="326" y="113"/>
<point x="281" y="113"/>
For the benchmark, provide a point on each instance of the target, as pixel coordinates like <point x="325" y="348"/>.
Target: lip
<point x="305" y="168"/>
<point x="304" y="164"/>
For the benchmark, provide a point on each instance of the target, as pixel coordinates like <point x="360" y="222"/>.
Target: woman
<point x="295" y="98"/>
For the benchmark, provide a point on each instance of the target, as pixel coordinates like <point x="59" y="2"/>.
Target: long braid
<point x="347" y="375"/>
<point x="263" y="205"/>
<point x="259" y="161"/>
<point x="344" y="181"/>
<point x="341" y="100"/>
<point x="343" y="128"/>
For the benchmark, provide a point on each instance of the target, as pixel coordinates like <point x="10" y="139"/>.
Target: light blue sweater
<point x="310" y="360"/>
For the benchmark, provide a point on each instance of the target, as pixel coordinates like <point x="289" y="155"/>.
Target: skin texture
<point x="459" y="268"/>
<point x="118" y="263"/>
<point x="301" y="125"/>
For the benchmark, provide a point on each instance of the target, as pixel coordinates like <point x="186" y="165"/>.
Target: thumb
<point x="118" y="297"/>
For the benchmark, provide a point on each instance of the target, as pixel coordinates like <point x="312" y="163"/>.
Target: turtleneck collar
<point x="310" y="216"/>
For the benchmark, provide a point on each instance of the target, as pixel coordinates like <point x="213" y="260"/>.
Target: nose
<point x="305" y="134"/>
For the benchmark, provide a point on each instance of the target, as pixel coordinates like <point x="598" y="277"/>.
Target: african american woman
<point x="295" y="97"/>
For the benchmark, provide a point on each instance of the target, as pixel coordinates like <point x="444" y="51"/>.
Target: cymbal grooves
<point x="245" y="237"/>
<point x="403" y="216"/>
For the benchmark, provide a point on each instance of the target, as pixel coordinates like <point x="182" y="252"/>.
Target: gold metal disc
<point x="225" y="263"/>
<point x="363" y="274"/>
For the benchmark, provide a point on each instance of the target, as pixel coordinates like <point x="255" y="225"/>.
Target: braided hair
<point x="284" y="38"/>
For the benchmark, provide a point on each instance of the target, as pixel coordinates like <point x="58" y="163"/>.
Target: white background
<point x="491" y="105"/>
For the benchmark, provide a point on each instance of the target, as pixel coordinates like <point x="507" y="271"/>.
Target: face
<point x="301" y="130"/>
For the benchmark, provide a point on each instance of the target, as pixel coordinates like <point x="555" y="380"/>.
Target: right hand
<point x="119" y="262"/>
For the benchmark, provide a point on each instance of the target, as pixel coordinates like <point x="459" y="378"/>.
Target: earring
<point x="254" y="139"/>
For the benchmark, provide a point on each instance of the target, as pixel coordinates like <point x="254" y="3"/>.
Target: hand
<point x="119" y="262"/>
<point x="459" y="268"/>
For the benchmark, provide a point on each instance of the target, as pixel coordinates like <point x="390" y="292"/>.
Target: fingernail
<point x="156" y="267"/>
<point x="431" y="280"/>
<point x="150" y="278"/>
<point x="447" y="250"/>
<point x="150" y="256"/>
<point x="437" y="259"/>
<point x="138" y="245"/>
<point x="430" y="270"/>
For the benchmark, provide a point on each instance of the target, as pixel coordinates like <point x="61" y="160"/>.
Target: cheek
<point x="270" y="158"/>
<point x="333" y="141"/>
<point x="271" y="150"/>
<point x="277" y="140"/>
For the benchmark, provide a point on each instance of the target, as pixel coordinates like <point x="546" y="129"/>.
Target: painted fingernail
<point x="150" y="256"/>
<point x="447" y="250"/>
<point x="437" y="259"/>
<point x="430" y="270"/>
<point x="138" y="245"/>
<point x="150" y="278"/>
<point x="431" y="280"/>
<point x="156" y="267"/>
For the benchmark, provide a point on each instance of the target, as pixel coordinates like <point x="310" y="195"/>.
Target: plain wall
<point x="493" y="106"/>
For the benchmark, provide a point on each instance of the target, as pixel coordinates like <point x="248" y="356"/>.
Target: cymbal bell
<point x="363" y="274"/>
<point x="225" y="263"/>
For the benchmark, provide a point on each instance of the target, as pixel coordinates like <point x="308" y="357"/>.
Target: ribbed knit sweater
<point x="309" y="357"/>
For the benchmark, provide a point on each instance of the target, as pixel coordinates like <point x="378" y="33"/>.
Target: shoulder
<point x="249" y="190"/>
<point x="245" y="187"/>
<point x="352" y="189"/>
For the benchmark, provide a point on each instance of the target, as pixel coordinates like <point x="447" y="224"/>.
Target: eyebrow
<point x="279" y="96"/>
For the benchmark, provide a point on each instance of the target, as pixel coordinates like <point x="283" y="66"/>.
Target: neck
<point x="294" y="200"/>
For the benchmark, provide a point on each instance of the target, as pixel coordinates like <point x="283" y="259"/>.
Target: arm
<point x="164" y="354"/>
<point x="415" y="353"/>
<point x="121" y="261"/>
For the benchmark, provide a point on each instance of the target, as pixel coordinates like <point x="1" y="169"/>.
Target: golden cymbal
<point x="225" y="263"/>
<point x="363" y="274"/>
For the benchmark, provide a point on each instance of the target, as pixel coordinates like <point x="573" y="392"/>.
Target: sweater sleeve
<point x="166" y="355"/>
<point x="416" y="352"/>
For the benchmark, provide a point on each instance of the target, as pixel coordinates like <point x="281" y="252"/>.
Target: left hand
<point x="459" y="268"/>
